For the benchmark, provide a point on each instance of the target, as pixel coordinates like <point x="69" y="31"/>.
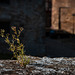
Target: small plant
<point x="15" y="45"/>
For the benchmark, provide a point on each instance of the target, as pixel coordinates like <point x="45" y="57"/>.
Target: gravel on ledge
<point x="39" y="66"/>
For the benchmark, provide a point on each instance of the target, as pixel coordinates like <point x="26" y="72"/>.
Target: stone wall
<point x="29" y="14"/>
<point x="64" y="8"/>
<point x="35" y="27"/>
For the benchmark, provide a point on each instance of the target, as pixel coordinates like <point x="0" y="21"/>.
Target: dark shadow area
<point x="48" y="13"/>
<point x="5" y="56"/>
<point x="5" y="25"/>
<point x="4" y="2"/>
<point x="60" y="43"/>
<point x="59" y="34"/>
<point x="4" y="52"/>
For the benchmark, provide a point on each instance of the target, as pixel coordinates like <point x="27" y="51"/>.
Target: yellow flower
<point x="12" y="47"/>
<point x="13" y="28"/>
<point x="21" y="28"/>
<point x="2" y="35"/>
<point x="18" y="41"/>
<point x="2" y="30"/>
<point x="20" y="47"/>
<point x="7" y="40"/>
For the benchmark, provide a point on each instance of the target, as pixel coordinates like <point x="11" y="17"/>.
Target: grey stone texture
<point x="39" y="66"/>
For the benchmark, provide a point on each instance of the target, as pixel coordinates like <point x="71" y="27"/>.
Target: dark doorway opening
<point x="48" y="10"/>
<point x="60" y="15"/>
<point x="4" y="2"/>
<point x="48" y="13"/>
<point x="5" y="25"/>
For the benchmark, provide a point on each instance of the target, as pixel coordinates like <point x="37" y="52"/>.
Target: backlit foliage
<point x="15" y="45"/>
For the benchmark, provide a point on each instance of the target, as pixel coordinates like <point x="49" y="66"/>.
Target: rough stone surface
<point x="39" y="66"/>
<point x="67" y="9"/>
